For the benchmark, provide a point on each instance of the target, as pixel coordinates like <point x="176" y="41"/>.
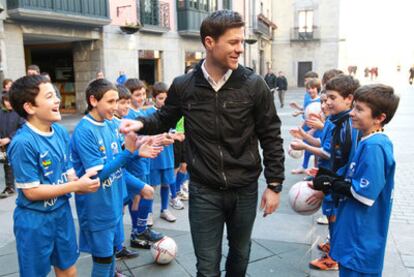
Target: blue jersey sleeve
<point x="24" y="161"/>
<point x="369" y="178"/>
<point x="87" y="148"/>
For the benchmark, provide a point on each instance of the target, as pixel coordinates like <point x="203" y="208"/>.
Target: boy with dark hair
<point x="162" y="167"/>
<point x="10" y="122"/>
<point x="229" y="111"/>
<point x="39" y="154"/>
<point x="95" y="146"/>
<point x="365" y="192"/>
<point x="33" y="70"/>
<point x="339" y="93"/>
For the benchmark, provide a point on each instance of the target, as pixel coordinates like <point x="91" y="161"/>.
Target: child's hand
<point x="86" y="184"/>
<point x="149" y="150"/>
<point x="311" y="171"/>
<point x="296" y="113"/>
<point x="129" y="125"/>
<point x="315" y="123"/>
<point x="163" y="139"/>
<point x="131" y="141"/>
<point x="178" y="136"/>
<point x="297" y="145"/>
<point x="315" y="198"/>
<point x="4" y="141"/>
<point x="296" y="133"/>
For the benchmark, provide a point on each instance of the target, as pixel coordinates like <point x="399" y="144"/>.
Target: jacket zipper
<point x="218" y="145"/>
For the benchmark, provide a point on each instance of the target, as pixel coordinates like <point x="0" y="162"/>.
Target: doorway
<point x="303" y="67"/>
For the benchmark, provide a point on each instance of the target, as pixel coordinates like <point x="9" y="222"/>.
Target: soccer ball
<point x="164" y="250"/>
<point x="296" y="154"/>
<point x="298" y="194"/>
<point x="312" y="108"/>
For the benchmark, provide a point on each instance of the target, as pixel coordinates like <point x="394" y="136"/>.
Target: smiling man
<point x="228" y="110"/>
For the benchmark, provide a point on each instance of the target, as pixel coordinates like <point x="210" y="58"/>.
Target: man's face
<point x="226" y="50"/>
<point x="47" y="104"/>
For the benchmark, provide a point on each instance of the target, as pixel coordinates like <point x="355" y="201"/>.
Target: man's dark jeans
<point x="209" y="210"/>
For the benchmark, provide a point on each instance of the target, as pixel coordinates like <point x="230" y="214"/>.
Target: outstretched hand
<point x="149" y="150"/>
<point x="129" y="125"/>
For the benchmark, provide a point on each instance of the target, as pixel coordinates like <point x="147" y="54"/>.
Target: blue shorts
<point x="134" y="186"/>
<point x="102" y="243"/>
<point x="162" y="176"/>
<point x="346" y="272"/>
<point x="44" y="240"/>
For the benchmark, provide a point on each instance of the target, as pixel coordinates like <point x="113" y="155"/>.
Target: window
<point x="305" y="20"/>
<point x="212" y="5"/>
<point x="227" y="4"/>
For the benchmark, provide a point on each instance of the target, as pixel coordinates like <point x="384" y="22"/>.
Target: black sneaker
<point x="145" y="239"/>
<point x="125" y="253"/>
<point x="7" y="192"/>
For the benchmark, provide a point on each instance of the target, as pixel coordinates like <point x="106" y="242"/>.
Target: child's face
<point x="105" y="108"/>
<point x="160" y="100"/>
<point x="313" y="92"/>
<point x="123" y="106"/>
<point x="8" y="86"/>
<point x="336" y="103"/>
<point x="47" y="105"/>
<point x="7" y="105"/>
<point x="363" y="120"/>
<point x="324" y="107"/>
<point x="138" y="98"/>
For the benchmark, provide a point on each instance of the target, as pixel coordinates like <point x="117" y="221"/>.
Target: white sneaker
<point x="168" y="216"/>
<point x="183" y="195"/>
<point x="185" y="186"/>
<point x="323" y="220"/>
<point x="176" y="204"/>
<point x="150" y="220"/>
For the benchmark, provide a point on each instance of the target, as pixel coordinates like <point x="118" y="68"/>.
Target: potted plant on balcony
<point x="131" y="28"/>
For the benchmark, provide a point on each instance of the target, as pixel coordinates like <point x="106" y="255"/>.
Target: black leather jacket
<point x="223" y="128"/>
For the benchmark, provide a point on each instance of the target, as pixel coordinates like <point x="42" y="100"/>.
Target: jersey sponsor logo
<point x="112" y="178"/>
<point x="114" y="147"/>
<point x="49" y="202"/>
<point x="363" y="183"/>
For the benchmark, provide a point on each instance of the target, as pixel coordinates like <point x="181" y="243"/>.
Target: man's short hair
<point x="217" y="23"/>
<point x="380" y="98"/>
<point x="311" y="74"/>
<point x="329" y="74"/>
<point x="345" y="85"/>
<point x="123" y="92"/>
<point x="158" y="88"/>
<point x="34" y="67"/>
<point x="25" y="90"/>
<point x="98" y="88"/>
<point x="134" y="84"/>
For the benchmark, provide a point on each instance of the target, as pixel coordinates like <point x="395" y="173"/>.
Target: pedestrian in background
<point x="271" y="80"/>
<point x="281" y="87"/>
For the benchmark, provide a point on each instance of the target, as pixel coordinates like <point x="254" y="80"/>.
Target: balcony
<point x="92" y="13"/>
<point x="190" y="14"/>
<point x="155" y="16"/>
<point x="264" y="27"/>
<point x="310" y="34"/>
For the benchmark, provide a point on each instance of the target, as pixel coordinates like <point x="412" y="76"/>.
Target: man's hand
<point x="86" y="184"/>
<point x="129" y="125"/>
<point x="270" y="202"/>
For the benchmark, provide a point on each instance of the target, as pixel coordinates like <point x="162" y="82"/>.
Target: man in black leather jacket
<point x="228" y="110"/>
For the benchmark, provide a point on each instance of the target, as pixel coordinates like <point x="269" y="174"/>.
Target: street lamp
<point x="249" y="40"/>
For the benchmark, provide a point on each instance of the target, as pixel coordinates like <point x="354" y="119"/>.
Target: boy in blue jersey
<point x="139" y="195"/>
<point x="360" y="235"/>
<point x="313" y="87"/>
<point x="39" y="155"/>
<point x="162" y="167"/>
<point x="95" y="146"/>
<point x="339" y="92"/>
<point x="301" y="109"/>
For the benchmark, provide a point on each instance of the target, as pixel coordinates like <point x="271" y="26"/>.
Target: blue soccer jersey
<point x="165" y="159"/>
<point x="40" y="158"/>
<point x="361" y="228"/>
<point x="325" y="138"/>
<point x="95" y="146"/>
